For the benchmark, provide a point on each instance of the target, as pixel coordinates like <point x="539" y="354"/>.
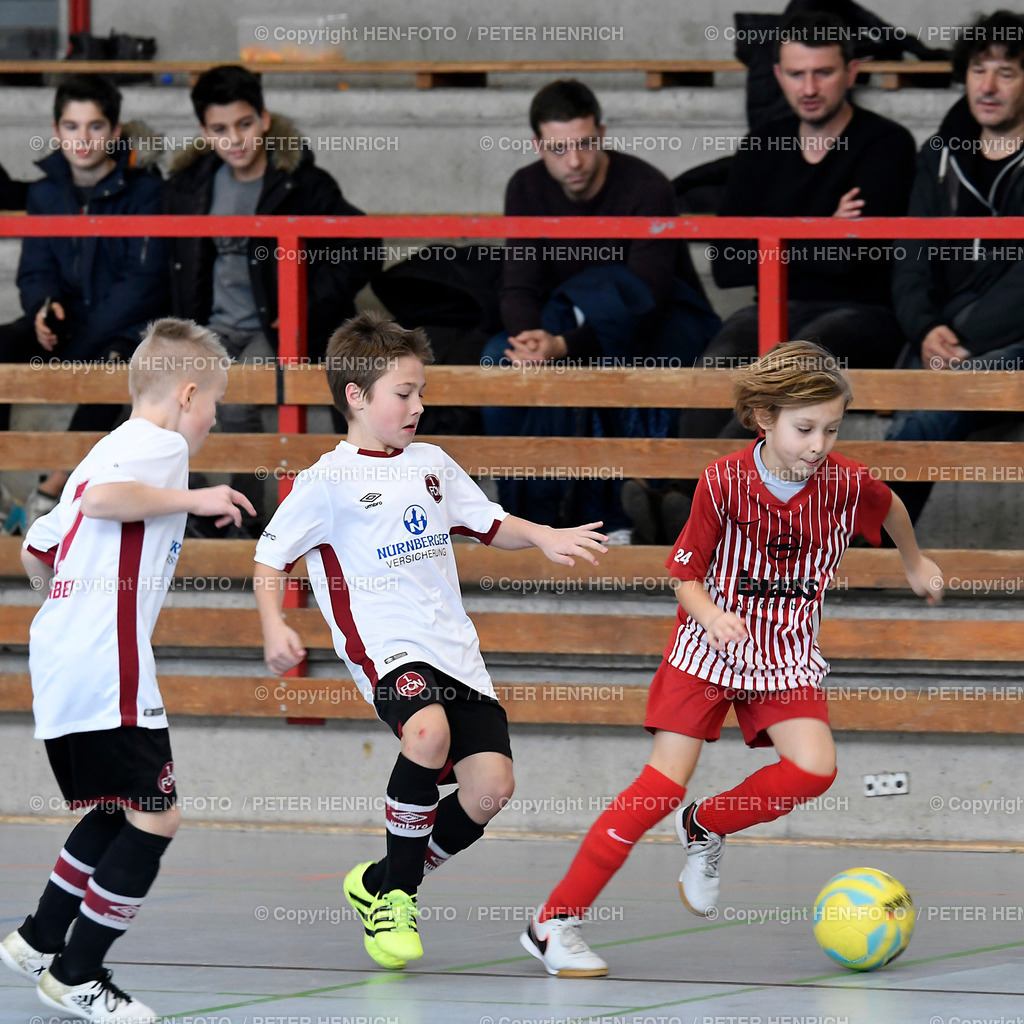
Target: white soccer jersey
<point x="90" y="653"/>
<point x="376" y="532"/>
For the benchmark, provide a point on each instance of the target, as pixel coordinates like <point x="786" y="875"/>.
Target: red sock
<point x="610" y="839"/>
<point x="764" y="796"/>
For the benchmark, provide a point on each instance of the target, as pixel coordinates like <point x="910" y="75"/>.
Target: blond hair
<point x="364" y="348"/>
<point x="173" y="352"/>
<point x="791" y="374"/>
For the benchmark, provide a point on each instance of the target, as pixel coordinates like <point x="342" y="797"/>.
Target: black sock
<point x="112" y="899"/>
<point x="410" y="808"/>
<point x="58" y="906"/>
<point x="454" y="830"/>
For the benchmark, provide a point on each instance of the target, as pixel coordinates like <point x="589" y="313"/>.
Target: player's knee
<point x="162" y="823"/>
<point x="427" y="743"/>
<point x="821" y="764"/>
<point x="501" y="789"/>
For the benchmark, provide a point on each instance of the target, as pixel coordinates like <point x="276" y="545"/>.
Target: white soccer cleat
<point x="698" y="881"/>
<point x="559" y="945"/>
<point x="22" y="958"/>
<point x="100" y="1000"/>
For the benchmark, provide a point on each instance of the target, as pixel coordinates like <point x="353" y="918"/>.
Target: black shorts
<point x="478" y="723"/>
<point x="125" y="767"/>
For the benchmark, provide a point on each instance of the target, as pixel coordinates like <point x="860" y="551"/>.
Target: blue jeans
<point x="618" y="306"/>
<point x="945" y="425"/>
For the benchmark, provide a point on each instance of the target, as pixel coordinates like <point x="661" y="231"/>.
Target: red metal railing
<point x="771" y="234"/>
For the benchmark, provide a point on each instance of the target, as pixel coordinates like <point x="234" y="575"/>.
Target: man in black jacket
<point x="959" y="301"/>
<point x="248" y="161"/>
<point x="827" y="158"/>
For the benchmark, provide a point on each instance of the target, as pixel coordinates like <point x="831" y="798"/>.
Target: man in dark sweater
<point x="959" y="301"/>
<point x="590" y="301"/>
<point x="826" y="159"/>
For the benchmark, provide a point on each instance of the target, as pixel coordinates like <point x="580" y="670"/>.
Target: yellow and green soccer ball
<point x="863" y="918"/>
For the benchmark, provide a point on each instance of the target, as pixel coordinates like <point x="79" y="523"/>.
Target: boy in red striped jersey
<point x="106" y="553"/>
<point x="767" y="530"/>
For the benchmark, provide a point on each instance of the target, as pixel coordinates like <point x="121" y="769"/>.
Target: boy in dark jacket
<point x="249" y="161"/>
<point x="959" y="301"/>
<point x="101" y="291"/>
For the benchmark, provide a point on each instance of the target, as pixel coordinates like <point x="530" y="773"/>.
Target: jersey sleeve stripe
<point x="48" y="556"/>
<point x="484" y="538"/>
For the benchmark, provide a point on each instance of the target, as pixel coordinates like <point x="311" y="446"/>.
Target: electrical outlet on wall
<point x="886" y="784"/>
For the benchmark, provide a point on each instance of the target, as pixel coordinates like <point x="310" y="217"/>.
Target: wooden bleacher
<point x="658" y="74"/>
<point x="922" y="639"/>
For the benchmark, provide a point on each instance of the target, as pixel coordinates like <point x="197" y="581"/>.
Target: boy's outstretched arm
<point x="282" y="647"/>
<point x="924" y="576"/>
<point x="562" y="546"/>
<point x="131" y="501"/>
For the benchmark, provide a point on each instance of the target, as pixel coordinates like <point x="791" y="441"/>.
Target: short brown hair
<point x="364" y="348"/>
<point x="793" y="373"/>
<point x="173" y="351"/>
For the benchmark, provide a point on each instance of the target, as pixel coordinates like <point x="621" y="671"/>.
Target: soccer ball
<point x="863" y="918"/>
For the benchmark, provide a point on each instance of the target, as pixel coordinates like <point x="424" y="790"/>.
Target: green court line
<point x="824" y="977"/>
<point x="383" y="979"/>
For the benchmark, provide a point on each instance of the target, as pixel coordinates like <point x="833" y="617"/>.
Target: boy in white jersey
<point x="107" y="552"/>
<point x="767" y="530"/>
<point x="374" y="519"/>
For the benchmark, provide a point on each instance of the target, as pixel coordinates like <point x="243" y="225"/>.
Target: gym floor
<point x="249" y="926"/>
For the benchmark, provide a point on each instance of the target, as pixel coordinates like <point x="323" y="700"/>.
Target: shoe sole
<point x="68" y="1011"/>
<point x="373" y="950"/>
<point x="566" y="972"/>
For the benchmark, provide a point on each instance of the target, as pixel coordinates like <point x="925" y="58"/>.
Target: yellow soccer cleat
<point x="361" y="900"/>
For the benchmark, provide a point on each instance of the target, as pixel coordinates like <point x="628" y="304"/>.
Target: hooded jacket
<point x="110" y="288"/>
<point x="975" y="285"/>
<point x="292" y="185"/>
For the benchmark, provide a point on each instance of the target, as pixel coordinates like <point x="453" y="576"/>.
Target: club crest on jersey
<point x="415" y="519"/>
<point x="165" y="781"/>
<point x="433" y="487"/>
<point x="410" y="684"/>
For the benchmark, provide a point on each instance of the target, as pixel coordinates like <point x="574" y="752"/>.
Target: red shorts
<point x="684" y="704"/>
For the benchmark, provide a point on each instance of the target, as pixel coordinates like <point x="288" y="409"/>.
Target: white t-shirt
<point x="90" y="653"/>
<point x="376" y="532"/>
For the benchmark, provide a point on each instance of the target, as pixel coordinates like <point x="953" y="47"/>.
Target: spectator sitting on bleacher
<point x="101" y="291"/>
<point x="249" y="161"/>
<point x="960" y="301"/>
<point x="589" y="302"/>
<point x="828" y="158"/>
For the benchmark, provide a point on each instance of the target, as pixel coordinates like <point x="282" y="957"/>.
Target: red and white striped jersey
<point x="769" y="562"/>
<point x="375" y="530"/>
<point x="90" y="653"/>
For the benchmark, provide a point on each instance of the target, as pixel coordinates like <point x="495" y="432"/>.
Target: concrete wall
<point x="462" y="30"/>
<point x="961" y="788"/>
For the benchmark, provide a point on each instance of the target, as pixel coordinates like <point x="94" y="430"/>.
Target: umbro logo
<point x="408" y="817"/>
<point x="371" y="499"/>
